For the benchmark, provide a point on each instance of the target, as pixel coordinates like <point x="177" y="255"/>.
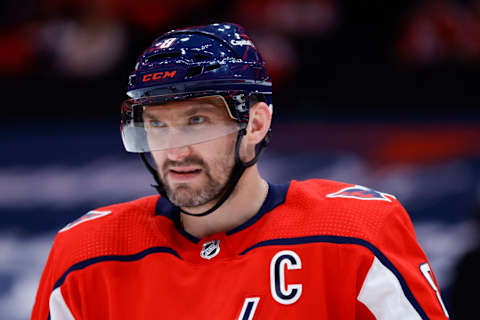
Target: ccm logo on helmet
<point x="159" y="75"/>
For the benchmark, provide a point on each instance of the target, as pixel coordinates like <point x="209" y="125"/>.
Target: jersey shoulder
<point x="324" y="207"/>
<point x="103" y="216"/>
<point x="118" y="229"/>
<point x="319" y="191"/>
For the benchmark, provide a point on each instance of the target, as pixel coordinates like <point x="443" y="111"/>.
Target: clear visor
<point x="173" y="121"/>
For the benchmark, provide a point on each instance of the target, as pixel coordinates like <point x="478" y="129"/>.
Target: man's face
<point x="192" y="174"/>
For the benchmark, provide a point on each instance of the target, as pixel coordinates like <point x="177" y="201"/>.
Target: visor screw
<point x="240" y="102"/>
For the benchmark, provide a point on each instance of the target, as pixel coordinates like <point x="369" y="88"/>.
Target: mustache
<point x="184" y="162"/>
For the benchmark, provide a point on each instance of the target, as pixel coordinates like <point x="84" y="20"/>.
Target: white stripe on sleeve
<point x="383" y="295"/>
<point x="58" y="307"/>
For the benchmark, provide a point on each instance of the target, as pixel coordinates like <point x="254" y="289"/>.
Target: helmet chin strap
<point x="237" y="171"/>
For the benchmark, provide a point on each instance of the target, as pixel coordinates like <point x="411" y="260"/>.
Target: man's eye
<point x="197" y="120"/>
<point x="156" y="124"/>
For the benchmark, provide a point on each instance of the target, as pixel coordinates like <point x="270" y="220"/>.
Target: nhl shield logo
<point x="210" y="249"/>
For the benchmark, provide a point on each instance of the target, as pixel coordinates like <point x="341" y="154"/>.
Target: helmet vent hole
<point x="163" y="56"/>
<point x="212" y="67"/>
<point x="193" y="71"/>
<point x="201" y="57"/>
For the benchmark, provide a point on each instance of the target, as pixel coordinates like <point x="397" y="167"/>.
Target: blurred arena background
<point x="377" y="93"/>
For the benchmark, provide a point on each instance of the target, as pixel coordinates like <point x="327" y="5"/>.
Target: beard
<point x="188" y="196"/>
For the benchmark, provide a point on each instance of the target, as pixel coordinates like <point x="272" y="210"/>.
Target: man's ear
<point x="259" y="123"/>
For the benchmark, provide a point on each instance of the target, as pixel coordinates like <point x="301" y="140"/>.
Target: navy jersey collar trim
<point x="275" y="197"/>
<point x="169" y="210"/>
<point x="166" y="208"/>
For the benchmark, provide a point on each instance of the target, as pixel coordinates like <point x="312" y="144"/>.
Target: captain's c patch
<point x="361" y="193"/>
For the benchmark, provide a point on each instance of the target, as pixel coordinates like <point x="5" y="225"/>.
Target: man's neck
<point x="246" y="199"/>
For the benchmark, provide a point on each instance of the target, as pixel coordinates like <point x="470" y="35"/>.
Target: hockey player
<point x="219" y="242"/>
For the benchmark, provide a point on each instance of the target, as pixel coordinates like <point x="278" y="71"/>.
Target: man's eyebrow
<point x="192" y="110"/>
<point x="200" y="107"/>
<point x="147" y="114"/>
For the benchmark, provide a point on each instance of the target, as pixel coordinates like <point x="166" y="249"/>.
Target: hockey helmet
<point x="217" y="60"/>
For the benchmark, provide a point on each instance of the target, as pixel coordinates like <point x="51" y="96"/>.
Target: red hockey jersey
<point x="316" y="250"/>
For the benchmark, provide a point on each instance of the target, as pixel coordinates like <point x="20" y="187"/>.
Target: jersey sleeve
<point x="41" y="308"/>
<point x="101" y="232"/>
<point x="400" y="283"/>
<point x="49" y="302"/>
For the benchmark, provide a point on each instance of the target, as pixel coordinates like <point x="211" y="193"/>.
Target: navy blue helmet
<point x="195" y="61"/>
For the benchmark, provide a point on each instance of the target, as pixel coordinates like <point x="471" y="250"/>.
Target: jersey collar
<point x="275" y="197"/>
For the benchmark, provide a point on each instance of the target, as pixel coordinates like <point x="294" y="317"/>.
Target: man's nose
<point x="178" y="153"/>
<point x="179" y="142"/>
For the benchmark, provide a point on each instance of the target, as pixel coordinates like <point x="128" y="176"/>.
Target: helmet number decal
<point x="284" y="293"/>
<point x="165" y="43"/>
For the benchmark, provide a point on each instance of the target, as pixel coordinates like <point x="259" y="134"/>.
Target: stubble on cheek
<point x="210" y="187"/>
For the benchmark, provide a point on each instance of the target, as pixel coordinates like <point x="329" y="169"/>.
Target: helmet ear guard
<point x="217" y="59"/>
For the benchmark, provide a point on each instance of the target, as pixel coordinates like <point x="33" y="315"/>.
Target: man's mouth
<point x="183" y="174"/>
